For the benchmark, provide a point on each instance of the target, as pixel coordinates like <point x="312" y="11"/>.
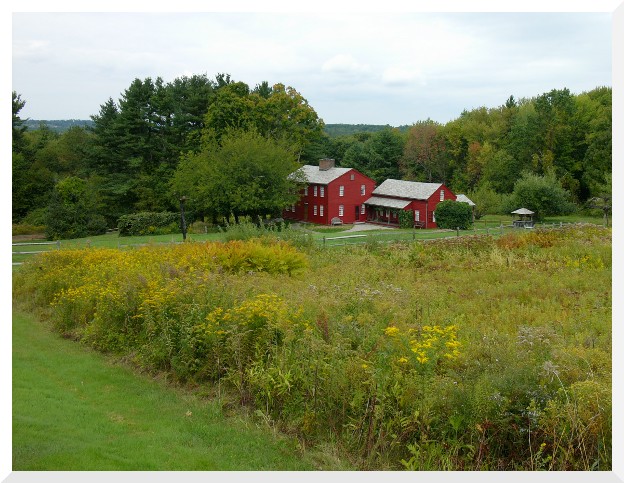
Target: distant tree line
<point x="57" y="125"/>
<point x="335" y="130"/>
<point x="228" y="148"/>
<point x="558" y="138"/>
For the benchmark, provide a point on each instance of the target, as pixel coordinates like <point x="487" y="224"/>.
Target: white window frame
<point x="363" y="190"/>
<point x="441" y="195"/>
<point x="433" y="216"/>
<point x="363" y="210"/>
<point x="341" y="190"/>
<point x="416" y="215"/>
<point x="305" y="191"/>
<point x="321" y="210"/>
<point x="340" y="210"/>
<point x="315" y="210"/>
<point x="322" y="191"/>
<point x="315" y="191"/>
<point x="352" y="176"/>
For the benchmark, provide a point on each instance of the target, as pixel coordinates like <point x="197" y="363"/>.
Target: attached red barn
<point x="331" y="193"/>
<point x="394" y="195"/>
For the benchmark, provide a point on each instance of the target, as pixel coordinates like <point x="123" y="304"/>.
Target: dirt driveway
<point x="368" y="226"/>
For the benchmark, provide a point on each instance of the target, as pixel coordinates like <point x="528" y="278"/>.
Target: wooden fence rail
<point x="33" y="252"/>
<point x="387" y="237"/>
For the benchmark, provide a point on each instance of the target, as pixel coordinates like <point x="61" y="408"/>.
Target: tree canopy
<point x="136" y="145"/>
<point x="243" y="173"/>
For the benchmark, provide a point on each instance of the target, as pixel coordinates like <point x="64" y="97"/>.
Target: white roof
<point x="522" y="211"/>
<point x="387" y="202"/>
<point x="465" y="199"/>
<point x="314" y="175"/>
<point x="406" y="189"/>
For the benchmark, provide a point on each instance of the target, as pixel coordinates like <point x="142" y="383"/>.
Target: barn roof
<point x="406" y="189"/>
<point x="465" y="199"/>
<point x="317" y="176"/>
<point x="387" y="202"/>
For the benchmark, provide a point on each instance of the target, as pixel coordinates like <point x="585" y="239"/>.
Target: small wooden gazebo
<point x="525" y="218"/>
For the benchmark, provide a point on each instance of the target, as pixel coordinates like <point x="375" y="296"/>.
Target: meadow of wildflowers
<point x="465" y="353"/>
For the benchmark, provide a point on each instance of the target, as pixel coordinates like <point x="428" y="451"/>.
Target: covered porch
<point x="385" y="211"/>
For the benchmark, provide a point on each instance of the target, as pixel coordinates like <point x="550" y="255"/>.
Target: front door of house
<point x="357" y="213"/>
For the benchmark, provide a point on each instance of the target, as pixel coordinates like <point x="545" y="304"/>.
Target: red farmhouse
<point x="330" y="194"/>
<point x="395" y="195"/>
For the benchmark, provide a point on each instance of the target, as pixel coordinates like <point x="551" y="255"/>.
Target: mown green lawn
<point x="73" y="409"/>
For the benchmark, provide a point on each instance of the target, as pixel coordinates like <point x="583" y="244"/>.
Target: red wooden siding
<point x="425" y="208"/>
<point x="351" y="199"/>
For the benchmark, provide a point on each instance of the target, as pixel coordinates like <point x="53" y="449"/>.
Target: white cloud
<point x="345" y="64"/>
<point x="401" y="76"/>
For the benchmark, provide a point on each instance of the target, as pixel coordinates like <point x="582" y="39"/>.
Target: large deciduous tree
<point x="425" y="157"/>
<point x="278" y="112"/>
<point x="244" y="173"/>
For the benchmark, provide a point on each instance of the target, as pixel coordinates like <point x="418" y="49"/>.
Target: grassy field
<point x="75" y="409"/>
<point x="477" y="352"/>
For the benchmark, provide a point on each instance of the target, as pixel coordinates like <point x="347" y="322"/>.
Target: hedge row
<point x="148" y="223"/>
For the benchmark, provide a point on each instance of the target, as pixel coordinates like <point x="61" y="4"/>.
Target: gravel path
<point x="368" y="226"/>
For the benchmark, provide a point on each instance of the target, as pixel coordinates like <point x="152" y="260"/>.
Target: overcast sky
<point x="368" y="68"/>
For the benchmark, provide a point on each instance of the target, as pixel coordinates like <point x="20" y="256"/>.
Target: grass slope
<point x="75" y="410"/>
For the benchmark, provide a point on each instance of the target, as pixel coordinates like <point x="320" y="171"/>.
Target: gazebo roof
<point x="522" y="211"/>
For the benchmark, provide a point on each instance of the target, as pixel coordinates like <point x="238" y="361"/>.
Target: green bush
<point x="148" y="223"/>
<point x="406" y="219"/>
<point x="451" y="214"/>
<point x="36" y="217"/>
<point x="543" y="195"/>
<point x="73" y="211"/>
<point x="26" y="229"/>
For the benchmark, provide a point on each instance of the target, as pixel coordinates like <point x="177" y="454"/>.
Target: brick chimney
<point x="326" y="163"/>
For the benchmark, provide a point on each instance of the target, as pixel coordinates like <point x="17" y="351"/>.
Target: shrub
<point x="406" y="219"/>
<point x="451" y="214"/>
<point x="72" y="212"/>
<point x="543" y="195"/>
<point x="35" y="217"/>
<point x="26" y="229"/>
<point x="487" y="201"/>
<point x="148" y="223"/>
